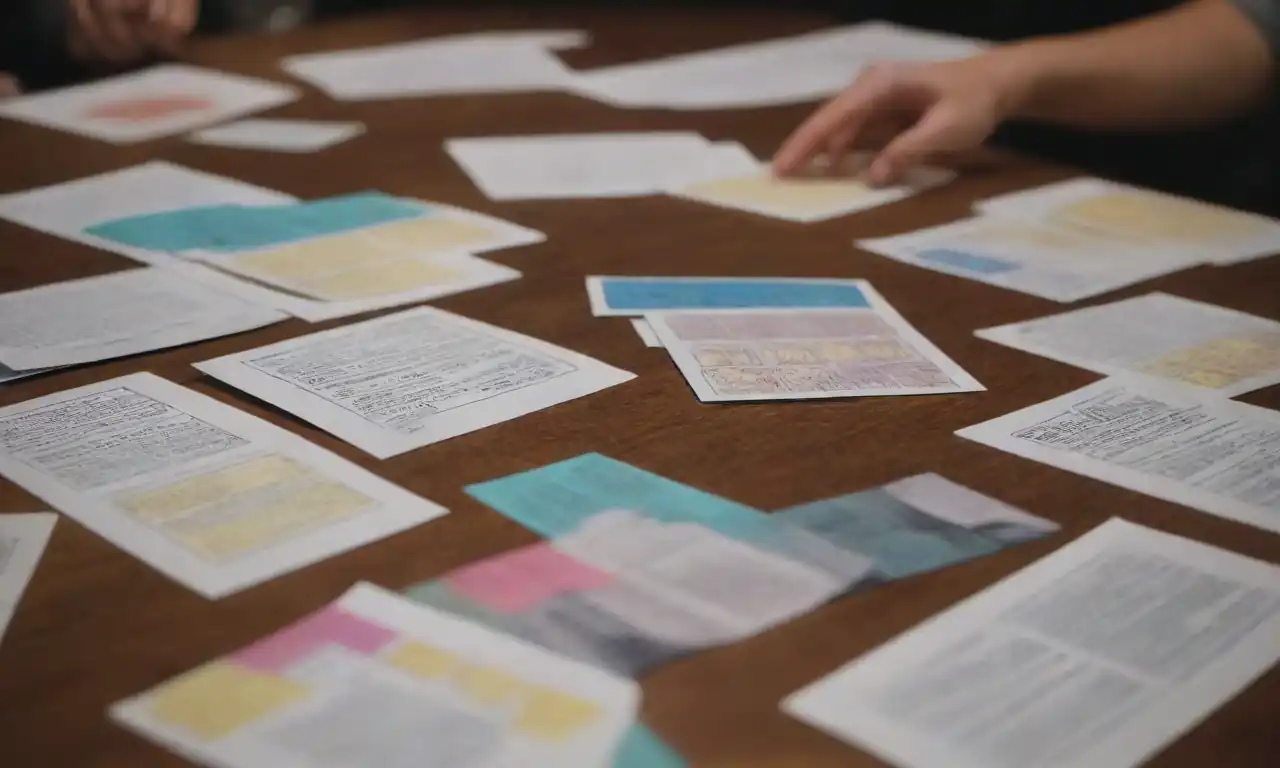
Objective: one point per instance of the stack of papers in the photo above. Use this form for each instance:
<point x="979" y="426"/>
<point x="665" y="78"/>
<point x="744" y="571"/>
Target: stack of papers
<point x="1081" y="238"/>
<point x="212" y="497"/>
<point x="635" y="571"/>
<point x="494" y="62"/>
<point x="22" y="542"/>
<point x="796" y="69"/>
<point x="782" y="338"/>
<point x="375" y="680"/>
<point x="413" y="378"/>
<point x="315" y="260"/>
<point x="156" y="102"/>
<point x="1098" y="655"/>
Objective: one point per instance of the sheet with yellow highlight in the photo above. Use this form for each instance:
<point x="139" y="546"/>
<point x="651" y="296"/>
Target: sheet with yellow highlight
<point x="374" y="679"/>
<point x="816" y="194"/>
<point x="1159" y="335"/>
<point x="1146" y="218"/>
<point x="208" y="495"/>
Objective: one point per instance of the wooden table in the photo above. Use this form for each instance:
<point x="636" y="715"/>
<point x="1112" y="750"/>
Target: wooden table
<point x="98" y="625"/>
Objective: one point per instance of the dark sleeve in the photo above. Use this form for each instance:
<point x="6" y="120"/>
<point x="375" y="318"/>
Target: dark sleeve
<point x="33" y="43"/>
<point x="1265" y="14"/>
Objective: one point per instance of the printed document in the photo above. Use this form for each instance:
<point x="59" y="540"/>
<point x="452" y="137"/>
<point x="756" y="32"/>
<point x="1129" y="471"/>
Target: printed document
<point x="799" y="354"/>
<point x="816" y="195"/>
<point x="414" y="378"/>
<point x="1160" y="335"/>
<point x="212" y="497"/>
<point x="1154" y="219"/>
<point x="617" y="295"/>
<point x="1054" y="261"/>
<point x="1182" y="444"/>
<point x="374" y="680"/>
<point x="1096" y="656"/>
<point x="69" y="209"/>
<point x="22" y="542"/>
<point x="577" y="165"/>
<point x="117" y="314"/>
<point x="156" y="102"/>
<point x="279" y="135"/>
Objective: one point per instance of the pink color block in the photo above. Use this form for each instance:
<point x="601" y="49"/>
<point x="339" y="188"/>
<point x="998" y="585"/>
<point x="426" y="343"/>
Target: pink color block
<point x="331" y="625"/>
<point x="517" y="581"/>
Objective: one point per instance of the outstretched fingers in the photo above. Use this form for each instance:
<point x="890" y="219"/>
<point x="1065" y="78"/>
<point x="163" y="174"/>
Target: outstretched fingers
<point x="837" y="124"/>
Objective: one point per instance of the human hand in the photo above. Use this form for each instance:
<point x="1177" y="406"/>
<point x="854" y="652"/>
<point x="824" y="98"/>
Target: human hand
<point x="932" y="109"/>
<point x="9" y="86"/>
<point x="124" y="31"/>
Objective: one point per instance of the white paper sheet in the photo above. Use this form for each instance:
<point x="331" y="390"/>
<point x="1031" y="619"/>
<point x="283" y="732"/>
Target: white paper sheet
<point x="815" y="196"/>
<point x="7" y="374"/>
<point x="645" y="332"/>
<point x="140" y="106"/>
<point x="1094" y="657"/>
<point x="803" y="354"/>
<point x="376" y="680"/>
<point x="1170" y="337"/>
<point x="1153" y="219"/>
<point x="1054" y="261"/>
<point x="118" y="314"/>
<point x="212" y="497"/>
<point x="1178" y="443"/>
<point x="789" y="70"/>
<point x="22" y="542"/>
<point x="577" y="165"/>
<point x="462" y="64"/>
<point x="67" y="209"/>
<point x="300" y="136"/>
<point x="414" y="378"/>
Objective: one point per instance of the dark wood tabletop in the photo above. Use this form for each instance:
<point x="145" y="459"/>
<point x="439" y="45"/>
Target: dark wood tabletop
<point x="97" y="625"/>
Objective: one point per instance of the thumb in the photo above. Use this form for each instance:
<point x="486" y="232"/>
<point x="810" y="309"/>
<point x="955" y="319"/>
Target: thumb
<point x="941" y="129"/>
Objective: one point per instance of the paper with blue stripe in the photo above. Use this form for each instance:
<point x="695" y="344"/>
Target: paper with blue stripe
<point x="638" y="295"/>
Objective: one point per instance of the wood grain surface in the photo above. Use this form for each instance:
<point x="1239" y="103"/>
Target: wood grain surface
<point x="97" y="625"/>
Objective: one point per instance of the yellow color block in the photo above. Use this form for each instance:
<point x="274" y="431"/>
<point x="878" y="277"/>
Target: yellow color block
<point x="800" y="196"/>
<point x="1158" y="217"/>
<point x="1219" y="363"/>
<point x="217" y="699"/>
<point x="425" y="235"/>
<point x="423" y="660"/>
<point x="554" y="716"/>
<point x="382" y="278"/>
<point x="485" y="685"/>
<point x="177" y="500"/>
<point x="311" y="257"/>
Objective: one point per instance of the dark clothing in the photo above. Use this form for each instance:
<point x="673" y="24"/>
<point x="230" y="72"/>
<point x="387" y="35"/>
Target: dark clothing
<point x="33" y="43"/>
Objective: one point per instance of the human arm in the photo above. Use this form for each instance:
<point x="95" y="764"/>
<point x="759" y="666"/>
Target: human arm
<point x="1200" y="63"/>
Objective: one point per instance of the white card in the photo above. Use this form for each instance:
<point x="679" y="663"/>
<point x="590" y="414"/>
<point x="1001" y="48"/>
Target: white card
<point x="299" y="136"/>
<point x="645" y="332"/>
<point x="140" y="106"/>
<point x="414" y="378"/>
<point x="1182" y="444"/>
<point x="1169" y="337"/>
<point x="212" y="497"/>
<point x="22" y="542"/>
<point x="375" y="680"/>
<point x="117" y="314"/>
<point x="1096" y="656"/>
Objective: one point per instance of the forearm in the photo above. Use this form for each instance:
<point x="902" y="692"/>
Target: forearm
<point x="1197" y="64"/>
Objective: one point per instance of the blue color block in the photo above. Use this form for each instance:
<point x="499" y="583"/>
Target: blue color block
<point x="641" y="295"/>
<point x="966" y="261"/>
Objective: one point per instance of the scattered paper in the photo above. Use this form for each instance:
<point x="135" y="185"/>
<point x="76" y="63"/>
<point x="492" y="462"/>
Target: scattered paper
<point x="1052" y="260"/>
<point x="1159" y="335"/>
<point x="22" y="542"/>
<point x="799" y="354"/>
<point x="617" y="295"/>
<point x="500" y="62"/>
<point x="641" y="748"/>
<point x="1178" y="443"/>
<point x="70" y="209"/>
<point x="118" y="314"/>
<point x="7" y="374"/>
<point x="805" y="67"/>
<point x="1153" y="219"/>
<point x="160" y="101"/>
<point x="645" y="332"/>
<point x="578" y="165"/>
<point x="212" y="497"/>
<point x="1097" y="656"/>
<point x="414" y="378"/>
<point x="816" y="195"/>
<point x="279" y="135"/>
<point x="375" y="680"/>
<point x="636" y="574"/>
